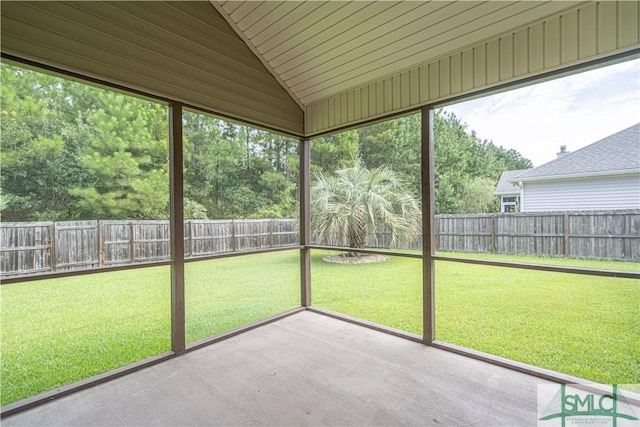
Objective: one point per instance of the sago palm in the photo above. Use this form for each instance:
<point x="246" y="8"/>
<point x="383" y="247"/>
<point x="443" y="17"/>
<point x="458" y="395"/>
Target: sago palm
<point x="356" y="202"/>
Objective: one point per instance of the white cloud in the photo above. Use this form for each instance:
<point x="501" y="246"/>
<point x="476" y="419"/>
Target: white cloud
<point x="575" y="111"/>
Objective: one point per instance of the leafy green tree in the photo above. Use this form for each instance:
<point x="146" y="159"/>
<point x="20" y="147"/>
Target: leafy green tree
<point x="478" y="197"/>
<point x="356" y="202"/>
<point x="453" y="162"/>
<point x="74" y="151"/>
<point x="333" y="152"/>
<point x="210" y="161"/>
<point x="127" y="157"/>
<point x="38" y="147"/>
<point x="193" y="210"/>
<point x="236" y="171"/>
<point x="395" y="144"/>
<point x="466" y="167"/>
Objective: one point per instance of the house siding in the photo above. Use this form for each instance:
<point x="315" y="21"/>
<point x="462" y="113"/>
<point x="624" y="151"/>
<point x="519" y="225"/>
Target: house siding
<point x="619" y="192"/>
<point x="183" y="51"/>
<point x="592" y="31"/>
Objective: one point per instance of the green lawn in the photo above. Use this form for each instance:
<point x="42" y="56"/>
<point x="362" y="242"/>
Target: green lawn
<point x="585" y="326"/>
<point x="59" y="331"/>
<point x="230" y="292"/>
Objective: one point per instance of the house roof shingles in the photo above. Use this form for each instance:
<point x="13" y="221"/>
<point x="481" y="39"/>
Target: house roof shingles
<point x="618" y="153"/>
<point x="505" y="185"/>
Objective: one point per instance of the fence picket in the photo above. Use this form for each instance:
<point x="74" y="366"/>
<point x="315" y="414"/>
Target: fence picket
<point x="28" y="248"/>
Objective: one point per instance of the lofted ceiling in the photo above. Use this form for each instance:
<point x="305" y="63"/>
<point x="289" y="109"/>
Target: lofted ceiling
<point x="317" y="49"/>
<point x="310" y="67"/>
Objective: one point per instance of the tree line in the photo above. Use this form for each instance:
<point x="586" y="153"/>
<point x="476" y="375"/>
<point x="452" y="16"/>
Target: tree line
<point x="73" y="151"/>
<point x="466" y="168"/>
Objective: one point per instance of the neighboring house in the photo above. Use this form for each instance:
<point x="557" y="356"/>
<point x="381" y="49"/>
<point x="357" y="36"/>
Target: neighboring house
<point x="509" y="192"/>
<point x="604" y="175"/>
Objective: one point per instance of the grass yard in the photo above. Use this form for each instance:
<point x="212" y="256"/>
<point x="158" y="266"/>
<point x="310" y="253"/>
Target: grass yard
<point x="59" y="331"/>
<point x="230" y="292"/>
<point x="389" y="293"/>
<point x="586" y="326"/>
<point x="55" y="332"/>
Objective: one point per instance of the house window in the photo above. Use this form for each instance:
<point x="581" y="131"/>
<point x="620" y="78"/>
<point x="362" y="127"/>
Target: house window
<point x="510" y="204"/>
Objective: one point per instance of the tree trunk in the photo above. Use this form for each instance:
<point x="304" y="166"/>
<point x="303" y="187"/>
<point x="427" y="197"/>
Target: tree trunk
<point x="357" y="238"/>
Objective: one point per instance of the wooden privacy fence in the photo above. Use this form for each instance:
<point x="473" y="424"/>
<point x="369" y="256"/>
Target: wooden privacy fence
<point x="588" y="234"/>
<point x="38" y="247"/>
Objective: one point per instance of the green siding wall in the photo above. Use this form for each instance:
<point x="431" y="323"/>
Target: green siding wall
<point x="184" y="51"/>
<point x="592" y="31"/>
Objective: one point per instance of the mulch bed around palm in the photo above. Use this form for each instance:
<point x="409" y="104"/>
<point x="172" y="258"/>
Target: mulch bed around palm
<point x="350" y="259"/>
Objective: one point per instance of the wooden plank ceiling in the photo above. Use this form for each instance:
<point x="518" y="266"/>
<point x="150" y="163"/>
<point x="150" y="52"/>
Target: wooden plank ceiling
<point x="317" y="49"/>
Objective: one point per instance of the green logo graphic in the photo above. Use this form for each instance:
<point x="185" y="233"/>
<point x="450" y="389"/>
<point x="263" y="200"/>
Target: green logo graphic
<point x="590" y="407"/>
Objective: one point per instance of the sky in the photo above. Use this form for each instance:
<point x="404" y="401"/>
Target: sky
<point x="574" y="111"/>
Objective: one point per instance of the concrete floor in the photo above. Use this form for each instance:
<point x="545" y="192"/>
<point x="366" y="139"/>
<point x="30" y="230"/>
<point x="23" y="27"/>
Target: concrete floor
<point x="306" y="369"/>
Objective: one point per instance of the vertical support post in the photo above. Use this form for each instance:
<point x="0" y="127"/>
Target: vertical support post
<point x="132" y="254"/>
<point x="176" y="225"/>
<point x="270" y="230"/>
<point x="101" y="244"/>
<point x="234" y="244"/>
<point x="190" y="237"/>
<point x="52" y="252"/>
<point x="566" y="234"/>
<point x="436" y="233"/>
<point x="305" y="221"/>
<point x="494" y="234"/>
<point x="428" y="226"/>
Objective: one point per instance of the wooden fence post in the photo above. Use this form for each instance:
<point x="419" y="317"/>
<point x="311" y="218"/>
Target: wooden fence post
<point x="436" y="233"/>
<point x="132" y="255"/>
<point x="52" y="252"/>
<point x="270" y="231"/>
<point x="190" y="241"/>
<point x="494" y="234"/>
<point x="193" y="241"/>
<point x="566" y="234"/>
<point x="234" y="246"/>
<point x="101" y="244"/>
